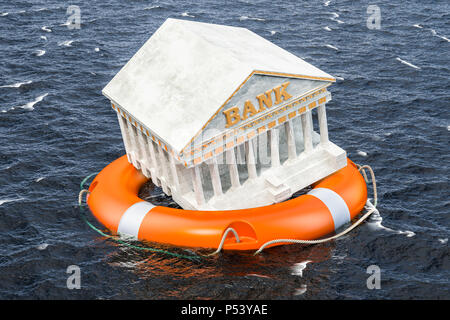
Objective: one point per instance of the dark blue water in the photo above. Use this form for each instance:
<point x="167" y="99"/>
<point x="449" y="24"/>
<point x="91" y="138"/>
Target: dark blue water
<point x="390" y="109"/>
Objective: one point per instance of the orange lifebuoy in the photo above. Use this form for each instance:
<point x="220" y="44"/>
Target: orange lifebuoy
<point x="333" y="201"/>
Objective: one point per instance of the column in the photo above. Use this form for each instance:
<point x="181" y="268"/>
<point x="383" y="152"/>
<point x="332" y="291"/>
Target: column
<point x="250" y="158"/>
<point x="288" y="126"/>
<point x="234" y="173"/>
<point x="323" y="125"/>
<point x="274" y="147"/>
<point x="135" y="145"/>
<point x="125" y="136"/>
<point x="155" y="170"/>
<point x="198" y="188"/>
<point x="307" y="130"/>
<point x="215" y="177"/>
<point x="173" y="170"/>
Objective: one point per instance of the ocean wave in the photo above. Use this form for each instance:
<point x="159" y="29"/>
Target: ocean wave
<point x="67" y="43"/>
<point x="332" y="47"/>
<point x="327" y="3"/>
<point x="152" y="7"/>
<point x="242" y="18"/>
<point x="407" y="63"/>
<point x="272" y="33"/>
<point x="4" y="14"/>
<point x="361" y="153"/>
<point x="418" y="26"/>
<point x="16" y="85"/>
<point x="40" y="53"/>
<point x="46" y="29"/>
<point x="3" y="201"/>
<point x="43" y="38"/>
<point x="186" y="14"/>
<point x="29" y="106"/>
<point x="374" y="223"/>
<point x="327" y="28"/>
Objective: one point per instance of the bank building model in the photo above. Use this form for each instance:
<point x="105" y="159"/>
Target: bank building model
<point x="221" y="118"/>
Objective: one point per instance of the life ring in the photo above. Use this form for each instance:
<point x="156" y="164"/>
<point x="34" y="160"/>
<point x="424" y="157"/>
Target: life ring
<point x="333" y="201"/>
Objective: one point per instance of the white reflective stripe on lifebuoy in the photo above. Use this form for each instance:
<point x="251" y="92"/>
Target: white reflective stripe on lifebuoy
<point x="335" y="204"/>
<point x="132" y="218"/>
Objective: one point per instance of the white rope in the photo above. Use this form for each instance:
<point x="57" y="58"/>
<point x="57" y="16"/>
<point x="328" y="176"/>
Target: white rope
<point x="371" y="209"/>
<point x="223" y="240"/>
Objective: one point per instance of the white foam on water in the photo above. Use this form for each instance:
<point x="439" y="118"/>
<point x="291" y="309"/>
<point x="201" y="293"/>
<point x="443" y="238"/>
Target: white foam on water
<point x="39" y="179"/>
<point x="96" y="49"/>
<point x="30" y="105"/>
<point x="433" y="32"/>
<point x="374" y="223"/>
<point x="46" y="29"/>
<point x="152" y="7"/>
<point x="67" y="43"/>
<point x="300" y="290"/>
<point x="273" y="32"/>
<point x="443" y="241"/>
<point x="339" y="78"/>
<point x="242" y="18"/>
<point x="44" y="38"/>
<point x="186" y="14"/>
<point x="407" y="63"/>
<point x="9" y="200"/>
<point x="327" y="3"/>
<point x="4" y="14"/>
<point x="331" y="47"/>
<point x="327" y="28"/>
<point x="448" y="128"/>
<point x="297" y="269"/>
<point x="361" y="153"/>
<point x="442" y="37"/>
<point x="40" y="53"/>
<point x="16" y="85"/>
<point x="42" y="246"/>
<point x="418" y="26"/>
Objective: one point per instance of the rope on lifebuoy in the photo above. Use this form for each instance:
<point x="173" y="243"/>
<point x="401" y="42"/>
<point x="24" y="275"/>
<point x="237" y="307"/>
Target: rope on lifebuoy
<point x="223" y="241"/>
<point x="371" y="209"/>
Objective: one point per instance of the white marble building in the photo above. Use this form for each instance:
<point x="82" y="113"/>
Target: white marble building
<point x="221" y="118"/>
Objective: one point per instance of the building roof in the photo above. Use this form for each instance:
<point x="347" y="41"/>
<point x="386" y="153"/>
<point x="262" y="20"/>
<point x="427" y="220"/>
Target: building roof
<point x="187" y="70"/>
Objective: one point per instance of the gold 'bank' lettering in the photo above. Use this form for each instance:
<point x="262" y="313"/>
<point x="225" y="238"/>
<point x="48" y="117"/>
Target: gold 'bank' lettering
<point x="280" y="91"/>
<point x="249" y="108"/>
<point x="265" y="98"/>
<point x="232" y="116"/>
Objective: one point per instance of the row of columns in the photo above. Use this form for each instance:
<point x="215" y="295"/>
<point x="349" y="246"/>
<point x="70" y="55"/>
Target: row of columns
<point x="307" y="129"/>
<point x="144" y="154"/>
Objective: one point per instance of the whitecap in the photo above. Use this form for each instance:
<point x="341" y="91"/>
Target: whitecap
<point x="16" y="85"/>
<point x="42" y="246"/>
<point x="374" y="223"/>
<point x="9" y="200"/>
<point x="30" y="105"/>
<point x="361" y="153"/>
<point x="327" y="28"/>
<point x="300" y="290"/>
<point x="40" y="53"/>
<point x="443" y="241"/>
<point x="339" y="78"/>
<point x="442" y="37"/>
<point x="39" y="179"/>
<point x="96" y="49"/>
<point x="418" y="26"/>
<point x="67" y="43"/>
<point x="43" y="38"/>
<point x="152" y="7"/>
<point x="331" y="47"/>
<point x="433" y="32"/>
<point x="407" y="63"/>
<point x="46" y="29"/>
<point x="327" y="3"/>
<point x="242" y="18"/>
<point x="297" y="269"/>
<point x="186" y="14"/>
<point x="448" y="128"/>
<point x="4" y="14"/>
<point x="273" y="32"/>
